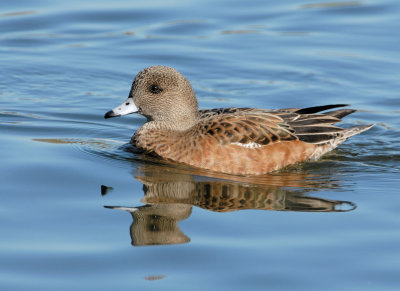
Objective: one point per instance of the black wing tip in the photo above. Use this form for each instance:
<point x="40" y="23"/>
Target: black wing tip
<point x="340" y="113"/>
<point x="316" y="109"/>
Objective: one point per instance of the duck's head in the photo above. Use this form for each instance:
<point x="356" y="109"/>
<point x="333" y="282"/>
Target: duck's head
<point x="160" y="94"/>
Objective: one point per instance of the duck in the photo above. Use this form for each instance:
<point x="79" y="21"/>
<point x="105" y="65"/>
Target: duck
<point x="235" y="140"/>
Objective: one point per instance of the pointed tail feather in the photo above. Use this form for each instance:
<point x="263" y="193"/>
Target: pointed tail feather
<point x="355" y="130"/>
<point x="333" y="143"/>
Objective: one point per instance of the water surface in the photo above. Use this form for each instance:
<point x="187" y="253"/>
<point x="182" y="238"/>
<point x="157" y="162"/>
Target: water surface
<point x="81" y="209"/>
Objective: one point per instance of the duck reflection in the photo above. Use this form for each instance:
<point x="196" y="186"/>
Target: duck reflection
<point x="157" y="224"/>
<point x="170" y="194"/>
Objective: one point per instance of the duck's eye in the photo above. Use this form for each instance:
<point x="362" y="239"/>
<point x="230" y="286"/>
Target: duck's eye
<point x="155" y="89"/>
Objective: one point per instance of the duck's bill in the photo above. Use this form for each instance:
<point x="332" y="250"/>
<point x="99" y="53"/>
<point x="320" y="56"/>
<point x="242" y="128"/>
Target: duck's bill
<point x="127" y="107"/>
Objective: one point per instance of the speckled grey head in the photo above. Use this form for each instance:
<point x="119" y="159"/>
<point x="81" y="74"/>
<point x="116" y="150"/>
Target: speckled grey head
<point x="161" y="94"/>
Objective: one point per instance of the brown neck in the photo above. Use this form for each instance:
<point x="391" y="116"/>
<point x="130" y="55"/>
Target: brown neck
<point x="179" y="123"/>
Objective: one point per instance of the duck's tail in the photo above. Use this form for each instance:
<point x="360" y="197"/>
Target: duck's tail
<point x="333" y="143"/>
<point x="355" y="130"/>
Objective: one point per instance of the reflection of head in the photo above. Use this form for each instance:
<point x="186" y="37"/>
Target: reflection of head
<point x="158" y="224"/>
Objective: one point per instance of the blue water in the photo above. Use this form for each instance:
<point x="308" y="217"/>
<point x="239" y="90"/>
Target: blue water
<point x="80" y="210"/>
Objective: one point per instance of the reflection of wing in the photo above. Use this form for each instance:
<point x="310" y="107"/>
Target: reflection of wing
<point x="168" y="185"/>
<point x="224" y="196"/>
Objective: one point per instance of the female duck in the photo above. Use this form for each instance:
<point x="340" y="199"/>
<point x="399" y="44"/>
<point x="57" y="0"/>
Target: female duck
<point x="241" y="141"/>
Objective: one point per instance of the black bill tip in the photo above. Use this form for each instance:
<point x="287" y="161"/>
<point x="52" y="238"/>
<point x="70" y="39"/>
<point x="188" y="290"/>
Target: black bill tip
<point x="110" y="114"/>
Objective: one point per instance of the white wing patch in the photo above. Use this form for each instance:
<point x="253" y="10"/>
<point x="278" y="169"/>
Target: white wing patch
<point x="250" y="145"/>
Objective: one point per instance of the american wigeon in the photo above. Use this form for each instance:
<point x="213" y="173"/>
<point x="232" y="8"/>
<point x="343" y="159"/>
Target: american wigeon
<point x="241" y="141"/>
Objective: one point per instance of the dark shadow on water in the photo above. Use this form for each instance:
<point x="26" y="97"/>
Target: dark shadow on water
<point x="171" y="192"/>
